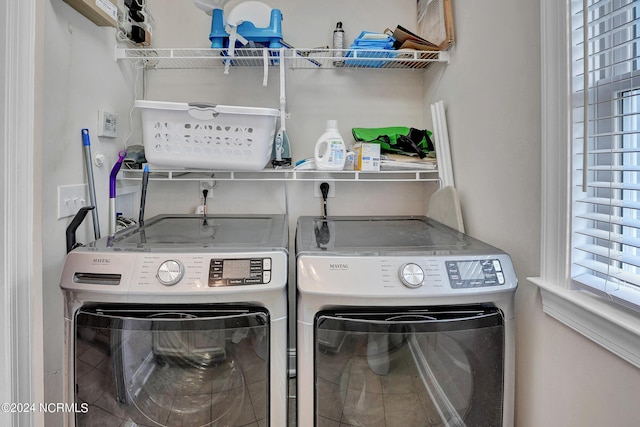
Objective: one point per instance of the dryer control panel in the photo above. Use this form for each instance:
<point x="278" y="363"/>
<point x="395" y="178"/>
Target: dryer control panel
<point x="238" y="272"/>
<point x="475" y="273"/>
<point x="406" y="275"/>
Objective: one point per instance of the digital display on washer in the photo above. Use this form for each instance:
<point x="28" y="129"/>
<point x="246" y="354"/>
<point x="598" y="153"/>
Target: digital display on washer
<point x="237" y="272"/>
<point x="475" y="273"/>
<point x="236" y="268"/>
<point x="470" y="270"/>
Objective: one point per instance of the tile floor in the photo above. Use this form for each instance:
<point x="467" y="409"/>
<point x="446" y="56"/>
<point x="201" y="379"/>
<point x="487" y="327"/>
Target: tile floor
<point x="231" y="394"/>
<point x="350" y="393"/>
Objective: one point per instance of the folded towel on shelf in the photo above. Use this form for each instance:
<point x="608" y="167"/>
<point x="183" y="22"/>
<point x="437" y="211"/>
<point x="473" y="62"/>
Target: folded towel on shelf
<point x="370" y="45"/>
<point x="401" y="162"/>
<point x="371" y="40"/>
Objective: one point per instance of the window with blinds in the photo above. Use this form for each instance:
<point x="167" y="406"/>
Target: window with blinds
<point x="606" y="149"/>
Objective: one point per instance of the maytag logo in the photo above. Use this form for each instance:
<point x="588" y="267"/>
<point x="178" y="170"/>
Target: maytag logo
<point x="102" y="261"/>
<point x="333" y="266"/>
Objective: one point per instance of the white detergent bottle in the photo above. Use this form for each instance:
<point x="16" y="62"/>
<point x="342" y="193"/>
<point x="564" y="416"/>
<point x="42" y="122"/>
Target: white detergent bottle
<point x="330" y="152"/>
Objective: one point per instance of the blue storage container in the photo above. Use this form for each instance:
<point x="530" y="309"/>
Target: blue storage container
<point x="269" y="37"/>
<point x="370" y="45"/>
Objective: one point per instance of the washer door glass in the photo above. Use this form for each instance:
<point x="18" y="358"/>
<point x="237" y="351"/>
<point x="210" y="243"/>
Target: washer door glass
<point x="172" y="366"/>
<point x="425" y="367"/>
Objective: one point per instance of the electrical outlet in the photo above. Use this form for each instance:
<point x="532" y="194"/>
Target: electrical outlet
<point x="71" y="198"/>
<point x="107" y="124"/>
<point x="207" y="184"/>
<point x="316" y="187"/>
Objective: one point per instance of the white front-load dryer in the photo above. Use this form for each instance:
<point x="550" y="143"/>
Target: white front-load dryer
<point x="402" y="321"/>
<point x="182" y="321"/>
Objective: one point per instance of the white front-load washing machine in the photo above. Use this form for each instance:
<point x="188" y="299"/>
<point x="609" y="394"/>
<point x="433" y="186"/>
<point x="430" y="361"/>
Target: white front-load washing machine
<point x="179" y="322"/>
<point x="402" y="321"/>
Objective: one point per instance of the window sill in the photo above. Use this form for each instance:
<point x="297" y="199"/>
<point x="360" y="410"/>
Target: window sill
<point x="613" y="327"/>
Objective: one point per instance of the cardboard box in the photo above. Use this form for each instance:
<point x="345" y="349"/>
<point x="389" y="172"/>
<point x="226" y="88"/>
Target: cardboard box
<point x="367" y="156"/>
<point x="103" y="13"/>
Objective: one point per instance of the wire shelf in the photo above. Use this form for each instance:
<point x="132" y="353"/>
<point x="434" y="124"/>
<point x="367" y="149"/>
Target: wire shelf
<point x="364" y="59"/>
<point x="283" y="175"/>
<point x="295" y="58"/>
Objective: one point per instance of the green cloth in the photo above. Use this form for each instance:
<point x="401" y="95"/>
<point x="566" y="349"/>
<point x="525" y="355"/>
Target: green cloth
<point x="397" y="139"/>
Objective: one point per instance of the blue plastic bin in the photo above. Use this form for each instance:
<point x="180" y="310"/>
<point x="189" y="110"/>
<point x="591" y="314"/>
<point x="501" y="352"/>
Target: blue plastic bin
<point x="270" y="37"/>
<point x="378" y="49"/>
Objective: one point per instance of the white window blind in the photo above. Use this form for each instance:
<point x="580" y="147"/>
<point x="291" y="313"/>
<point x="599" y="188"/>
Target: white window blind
<point x="606" y="149"/>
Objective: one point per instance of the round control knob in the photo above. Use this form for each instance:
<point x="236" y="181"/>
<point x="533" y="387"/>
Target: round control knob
<point x="411" y="275"/>
<point x="170" y="272"/>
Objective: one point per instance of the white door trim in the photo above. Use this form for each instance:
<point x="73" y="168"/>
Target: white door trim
<point x="21" y="362"/>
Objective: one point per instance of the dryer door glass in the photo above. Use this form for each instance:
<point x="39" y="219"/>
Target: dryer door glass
<point x="434" y="366"/>
<point x="172" y="365"/>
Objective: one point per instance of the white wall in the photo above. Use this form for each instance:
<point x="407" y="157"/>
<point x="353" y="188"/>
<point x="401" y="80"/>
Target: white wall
<point x="356" y="99"/>
<point x="80" y="77"/>
<point x="492" y="89"/>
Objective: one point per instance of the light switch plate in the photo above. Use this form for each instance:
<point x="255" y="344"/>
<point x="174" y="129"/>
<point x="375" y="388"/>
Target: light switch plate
<point x="71" y="198"/>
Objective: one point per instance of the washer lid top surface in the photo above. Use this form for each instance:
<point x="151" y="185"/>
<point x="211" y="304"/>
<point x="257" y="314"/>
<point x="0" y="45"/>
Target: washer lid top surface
<point x="192" y="232"/>
<point x="381" y="234"/>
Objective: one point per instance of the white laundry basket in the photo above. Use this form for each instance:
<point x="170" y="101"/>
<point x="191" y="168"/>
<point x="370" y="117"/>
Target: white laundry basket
<point x="207" y="136"/>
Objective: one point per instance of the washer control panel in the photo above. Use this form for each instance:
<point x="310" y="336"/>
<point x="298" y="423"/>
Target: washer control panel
<point x="383" y="276"/>
<point x="170" y="272"/>
<point x="238" y="272"/>
<point x="475" y="273"/>
<point x="411" y="275"/>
